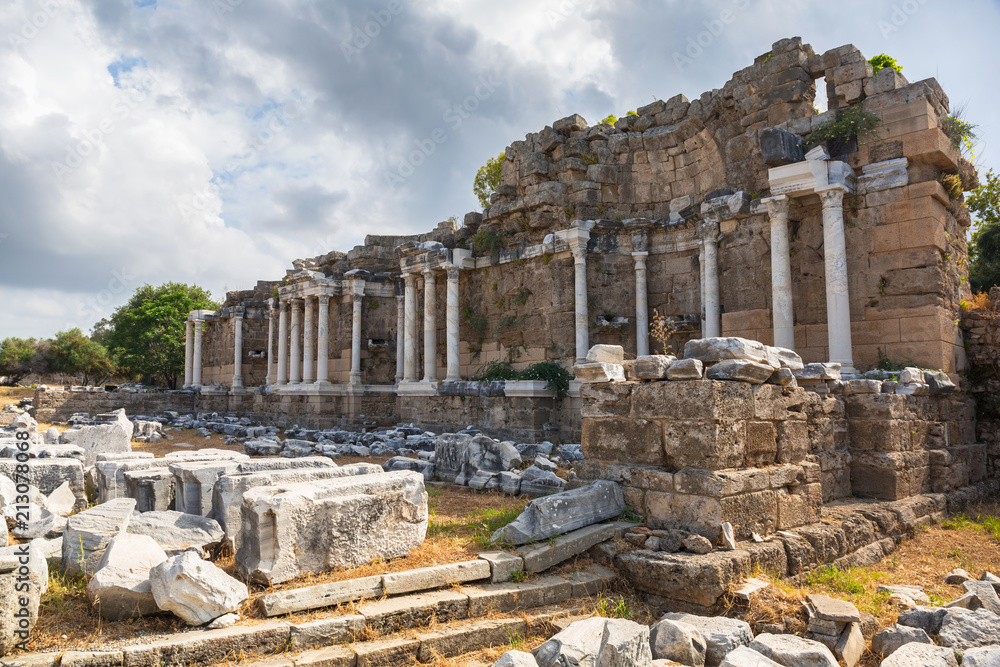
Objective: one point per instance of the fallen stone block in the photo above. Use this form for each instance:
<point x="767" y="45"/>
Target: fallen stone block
<point x="458" y="456"/>
<point x="153" y="489"/>
<point x="715" y="350"/>
<point x="744" y="656"/>
<point x="227" y="495"/>
<point x="792" y="651"/>
<point x="686" y="369"/>
<point x="120" y="588"/>
<point x="112" y="436"/>
<point x="962" y="629"/>
<point x="652" y="367"/>
<point x="606" y="354"/>
<point x="538" y="482"/>
<point x="886" y="642"/>
<point x="89" y="533"/>
<point x="740" y="370"/>
<point x="677" y="641"/>
<point x="47" y="475"/>
<point x="986" y="593"/>
<point x="503" y="565"/>
<point x="563" y="512"/>
<point x="921" y="655"/>
<point x="315" y="527"/>
<point x="516" y="659"/>
<point x="590" y="373"/>
<point x="614" y="642"/>
<point x="722" y="635"/>
<point x="982" y="657"/>
<point x="565" y="547"/>
<point x="425" y="468"/>
<point x="177" y="532"/>
<point x="110" y="475"/>
<point x="437" y="576"/>
<point x="195" y="590"/>
<point x="21" y="588"/>
<point x="194" y="482"/>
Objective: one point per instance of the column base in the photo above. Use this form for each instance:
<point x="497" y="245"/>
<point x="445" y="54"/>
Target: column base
<point x="354" y="378"/>
<point x="453" y="379"/>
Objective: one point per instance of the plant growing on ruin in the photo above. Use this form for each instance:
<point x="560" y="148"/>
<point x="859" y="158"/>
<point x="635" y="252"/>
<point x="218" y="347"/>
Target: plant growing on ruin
<point x="521" y="296"/>
<point x="660" y="330"/>
<point x="882" y="61"/>
<point x="610" y="119"/>
<point x="850" y="123"/>
<point x="961" y="132"/>
<point x="488" y="179"/>
<point x="556" y="377"/>
<point x="952" y="184"/>
<point x="486" y="242"/>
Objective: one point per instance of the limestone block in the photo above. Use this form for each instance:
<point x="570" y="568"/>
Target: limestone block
<point x="516" y="659"/>
<point x="195" y="590"/>
<point x="886" y="641"/>
<point x="318" y="526"/>
<point x="227" y="494"/>
<point x="47" y="475"/>
<point x="114" y="436"/>
<point x="625" y="440"/>
<point x="538" y="482"/>
<point x="714" y="350"/>
<point x="725" y="402"/>
<point x="744" y="656"/>
<point x="591" y="373"/>
<point x="437" y="576"/>
<point x="652" y="367"/>
<point x="320" y="595"/>
<point x="614" y="642"/>
<point x="677" y="641"/>
<point x="194" y="482"/>
<point x="425" y="468"/>
<point x="566" y="546"/>
<point x="563" y="512"/>
<point x="818" y="372"/>
<point x="89" y="533"/>
<point x="851" y="645"/>
<point x="120" y="588"/>
<point x="177" y="532"/>
<point x="921" y="655"/>
<point x="606" y="354"/>
<point x="503" y="565"/>
<point x="982" y="657"/>
<point x="685" y="369"/>
<point x="741" y="370"/>
<point x="457" y="457"/>
<point x="722" y="635"/>
<point x="111" y="475"/>
<point x="780" y="147"/>
<point x="152" y="490"/>
<point x="792" y="651"/>
<point x="16" y="570"/>
<point x="61" y="501"/>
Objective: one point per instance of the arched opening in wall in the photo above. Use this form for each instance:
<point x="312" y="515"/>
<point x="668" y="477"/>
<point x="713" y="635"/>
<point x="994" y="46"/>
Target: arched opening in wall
<point x="823" y="94"/>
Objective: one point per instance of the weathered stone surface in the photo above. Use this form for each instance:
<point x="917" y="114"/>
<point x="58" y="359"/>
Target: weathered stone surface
<point x="457" y="457"/>
<point x="817" y="372"/>
<point x="47" y="475"/>
<point x="120" y="588"/>
<point x="89" y="532"/>
<point x="677" y="641"/>
<point x="320" y="595"/>
<point x="516" y="659"/>
<point x="652" y="367"/>
<point x="962" y="629"/>
<point x="326" y="631"/>
<point x="714" y="350"/>
<point x="195" y="590"/>
<point x="598" y="641"/>
<point x="740" y="370"/>
<point x="851" y="645"/>
<point x="986" y="593"/>
<point x="538" y="482"/>
<point x="19" y="565"/>
<point x="792" y="651"/>
<point x="921" y="655"/>
<point x="503" y="565"/>
<point x="112" y="436"/>
<point x="565" y="547"/>
<point x="780" y="147"/>
<point x="722" y="635"/>
<point x="314" y="527"/>
<point x="62" y="501"/>
<point x="982" y="657"/>
<point x="177" y="532"/>
<point x="153" y="489"/>
<point x="686" y="369"/>
<point x="914" y="593"/>
<point x="697" y="544"/>
<point x="887" y="641"/>
<point x="606" y="354"/>
<point x="590" y="373"/>
<point x="957" y="577"/>
<point x="927" y="619"/>
<point x="195" y="481"/>
<point x="560" y="513"/>
<point x="436" y="576"/>
<point x="831" y="609"/>
<point x="744" y="656"/>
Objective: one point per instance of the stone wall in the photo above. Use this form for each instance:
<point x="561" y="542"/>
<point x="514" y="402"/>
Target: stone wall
<point x="695" y="454"/>
<point x="982" y="336"/>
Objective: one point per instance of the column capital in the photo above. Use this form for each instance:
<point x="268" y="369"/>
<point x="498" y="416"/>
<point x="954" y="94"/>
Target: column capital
<point x="640" y="260"/>
<point x="452" y="272"/>
<point x="283" y="305"/>
<point x="708" y="230"/>
<point x="357" y="298"/>
<point x="777" y="207"/>
<point x="430" y="274"/>
<point x="832" y="196"/>
<point x="410" y="278"/>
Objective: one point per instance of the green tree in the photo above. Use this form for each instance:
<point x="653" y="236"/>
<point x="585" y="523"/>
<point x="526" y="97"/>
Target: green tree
<point x="984" y="250"/>
<point x="146" y="336"/>
<point x="488" y="179"/>
<point x="20" y="357"/>
<point x="74" y="354"/>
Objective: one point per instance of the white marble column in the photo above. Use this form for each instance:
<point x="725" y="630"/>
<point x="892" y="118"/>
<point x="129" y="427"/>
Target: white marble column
<point x="282" y="342"/>
<point x="410" y="330"/>
<point x="323" y="341"/>
<point x="309" y="341"/>
<point x="713" y="308"/>
<point x="580" y="295"/>
<point x="355" y="377"/>
<point x="701" y="287"/>
<point x="783" y="319"/>
<point x="238" y="351"/>
<point x="270" y="344"/>
<point x="188" y="352"/>
<point x="196" y="359"/>
<point x="295" y="361"/>
<point x="838" y="306"/>
<point x="452" y="321"/>
<point x="430" y="326"/>
<point x="400" y="337"/>
<point x="641" y="305"/>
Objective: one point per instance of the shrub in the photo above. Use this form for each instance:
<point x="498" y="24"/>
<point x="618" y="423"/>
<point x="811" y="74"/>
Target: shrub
<point x="486" y="242"/>
<point x="882" y="61"/>
<point x="850" y="123"/>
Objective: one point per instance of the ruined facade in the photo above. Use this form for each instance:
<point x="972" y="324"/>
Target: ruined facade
<point x="676" y="212"/>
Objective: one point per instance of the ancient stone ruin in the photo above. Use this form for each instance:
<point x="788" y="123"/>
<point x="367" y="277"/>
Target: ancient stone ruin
<point x="716" y="288"/>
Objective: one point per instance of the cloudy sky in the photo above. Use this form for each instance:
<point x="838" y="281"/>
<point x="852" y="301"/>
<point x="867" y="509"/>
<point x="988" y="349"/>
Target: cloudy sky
<point x="214" y="141"/>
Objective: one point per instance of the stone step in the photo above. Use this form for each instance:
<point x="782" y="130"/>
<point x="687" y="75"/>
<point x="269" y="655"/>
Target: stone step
<point x="378" y="617"/>
<point x="448" y="641"/>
